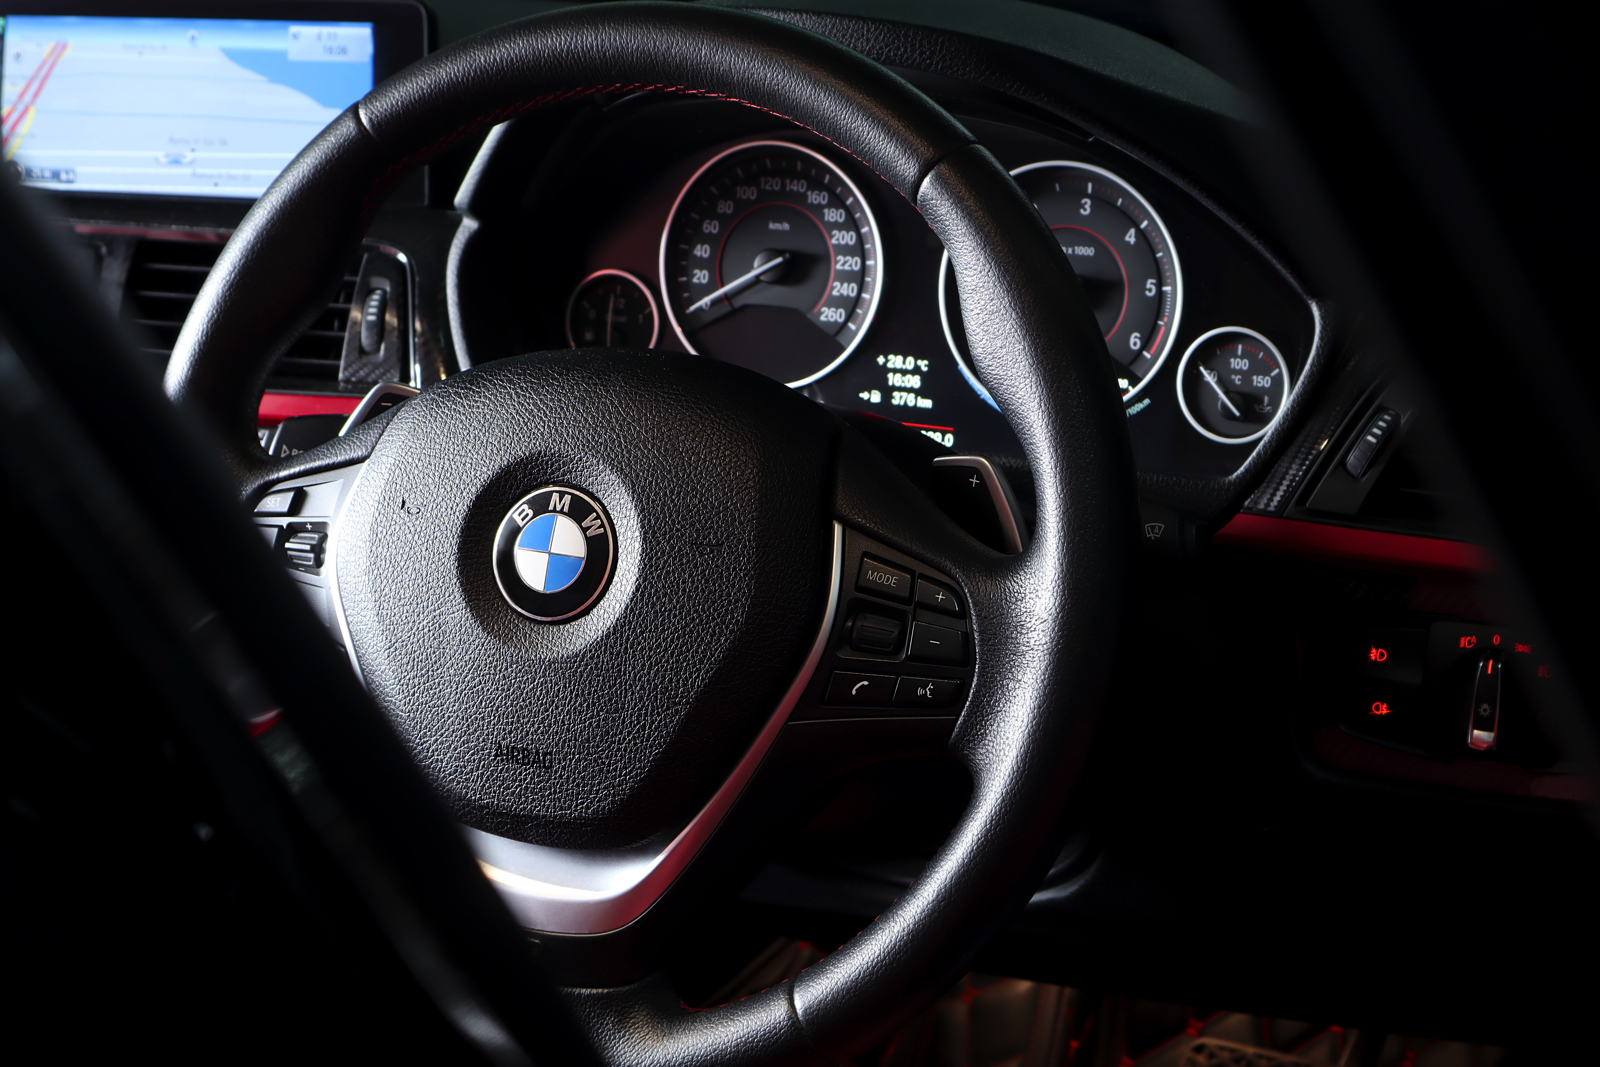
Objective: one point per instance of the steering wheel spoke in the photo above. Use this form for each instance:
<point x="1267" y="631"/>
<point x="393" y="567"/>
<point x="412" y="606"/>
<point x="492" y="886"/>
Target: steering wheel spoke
<point x="886" y="678"/>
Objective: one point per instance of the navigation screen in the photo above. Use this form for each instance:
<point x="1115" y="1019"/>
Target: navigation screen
<point x="193" y="107"/>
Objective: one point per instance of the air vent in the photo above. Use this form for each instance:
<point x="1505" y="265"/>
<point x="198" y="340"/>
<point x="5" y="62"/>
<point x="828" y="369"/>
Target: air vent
<point x="313" y="361"/>
<point x="163" y="279"/>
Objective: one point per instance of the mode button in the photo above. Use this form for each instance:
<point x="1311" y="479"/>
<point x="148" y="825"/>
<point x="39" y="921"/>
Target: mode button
<point x="880" y="579"/>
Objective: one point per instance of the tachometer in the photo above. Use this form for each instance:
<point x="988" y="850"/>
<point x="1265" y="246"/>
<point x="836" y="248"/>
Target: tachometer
<point x="1122" y="254"/>
<point x="771" y="260"/>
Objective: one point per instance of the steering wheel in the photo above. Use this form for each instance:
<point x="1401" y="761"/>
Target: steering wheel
<point x="735" y="518"/>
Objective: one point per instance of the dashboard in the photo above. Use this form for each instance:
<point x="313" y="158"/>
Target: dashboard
<point x="1345" y="608"/>
<point x="699" y="226"/>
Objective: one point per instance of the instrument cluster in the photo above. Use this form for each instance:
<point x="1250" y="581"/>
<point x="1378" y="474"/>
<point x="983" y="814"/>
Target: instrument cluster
<point x="773" y="250"/>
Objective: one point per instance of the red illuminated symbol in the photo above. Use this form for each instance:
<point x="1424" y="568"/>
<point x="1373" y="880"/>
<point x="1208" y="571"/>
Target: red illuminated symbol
<point x="1378" y="655"/>
<point x="1379" y="707"/>
<point x="1497" y="639"/>
<point x="1468" y="641"/>
<point x="1546" y="671"/>
<point x="1522" y="648"/>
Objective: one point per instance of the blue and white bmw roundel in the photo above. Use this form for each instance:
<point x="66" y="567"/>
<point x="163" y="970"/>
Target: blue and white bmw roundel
<point x="553" y="553"/>
<point x="550" y="553"/>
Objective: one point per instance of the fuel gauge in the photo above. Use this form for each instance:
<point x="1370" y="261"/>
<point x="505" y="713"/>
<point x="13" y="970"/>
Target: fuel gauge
<point x="1232" y="384"/>
<point x="612" y="309"/>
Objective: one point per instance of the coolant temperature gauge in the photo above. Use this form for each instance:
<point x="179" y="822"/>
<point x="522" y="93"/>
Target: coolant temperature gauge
<point x="1232" y="384"/>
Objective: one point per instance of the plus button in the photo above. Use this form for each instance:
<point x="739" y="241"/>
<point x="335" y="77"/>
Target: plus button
<point x="937" y="596"/>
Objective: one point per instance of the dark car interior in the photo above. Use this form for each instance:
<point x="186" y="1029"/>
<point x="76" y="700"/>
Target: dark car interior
<point x="887" y="533"/>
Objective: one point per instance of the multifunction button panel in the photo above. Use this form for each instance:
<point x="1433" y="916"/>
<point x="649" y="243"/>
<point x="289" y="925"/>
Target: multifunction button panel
<point x="296" y="520"/>
<point x="901" y="643"/>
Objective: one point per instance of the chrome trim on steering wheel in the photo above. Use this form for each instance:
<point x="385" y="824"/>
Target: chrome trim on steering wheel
<point x="573" y="891"/>
<point x="365" y="409"/>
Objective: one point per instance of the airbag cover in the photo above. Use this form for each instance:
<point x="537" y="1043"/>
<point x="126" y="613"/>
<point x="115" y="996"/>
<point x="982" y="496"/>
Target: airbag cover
<point x="604" y="730"/>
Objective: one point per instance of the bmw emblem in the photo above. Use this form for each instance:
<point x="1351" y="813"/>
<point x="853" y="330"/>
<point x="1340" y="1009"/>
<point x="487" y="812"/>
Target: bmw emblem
<point x="554" y="552"/>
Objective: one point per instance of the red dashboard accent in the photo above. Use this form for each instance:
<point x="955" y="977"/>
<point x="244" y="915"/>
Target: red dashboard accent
<point x="275" y="407"/>
<point x="1325" y="543"/>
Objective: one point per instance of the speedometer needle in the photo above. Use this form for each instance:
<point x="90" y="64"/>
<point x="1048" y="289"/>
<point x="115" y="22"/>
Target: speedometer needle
<point x="1211" y="379"/>
<point x="741" y="282"/>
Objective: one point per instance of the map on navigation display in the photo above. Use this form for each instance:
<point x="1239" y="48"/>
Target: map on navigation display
<point x="193" y="107"/>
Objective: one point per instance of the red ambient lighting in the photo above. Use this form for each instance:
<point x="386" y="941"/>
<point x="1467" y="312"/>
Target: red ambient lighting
<point x="1378" y="655"/>
<point x="1349" y="545"/>
<point x="262" y="723"/>
<point x="1380" y="707"/>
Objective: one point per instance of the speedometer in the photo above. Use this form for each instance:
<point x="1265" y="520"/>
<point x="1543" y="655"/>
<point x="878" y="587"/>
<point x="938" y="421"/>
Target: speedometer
<point x="1122" y="254"/>
<point x="771" y="260"/>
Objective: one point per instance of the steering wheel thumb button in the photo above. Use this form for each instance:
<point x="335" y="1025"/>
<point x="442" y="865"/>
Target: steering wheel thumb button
<point x="937" y="644"/>
<point x="880" y="579"/>
<point x="875" y="633"/>
<point x="848" y="687"/>
<point x="936" y="596"/>
<point x="934" y="692"/>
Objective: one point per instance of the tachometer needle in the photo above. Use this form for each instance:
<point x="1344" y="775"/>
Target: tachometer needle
<point x="611" y="311"/>
<point x="741" y="282"/>
<point x="1211" y="379"/>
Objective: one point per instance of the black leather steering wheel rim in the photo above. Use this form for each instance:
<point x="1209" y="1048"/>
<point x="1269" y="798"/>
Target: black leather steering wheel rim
<point x="1049" y="616"/>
